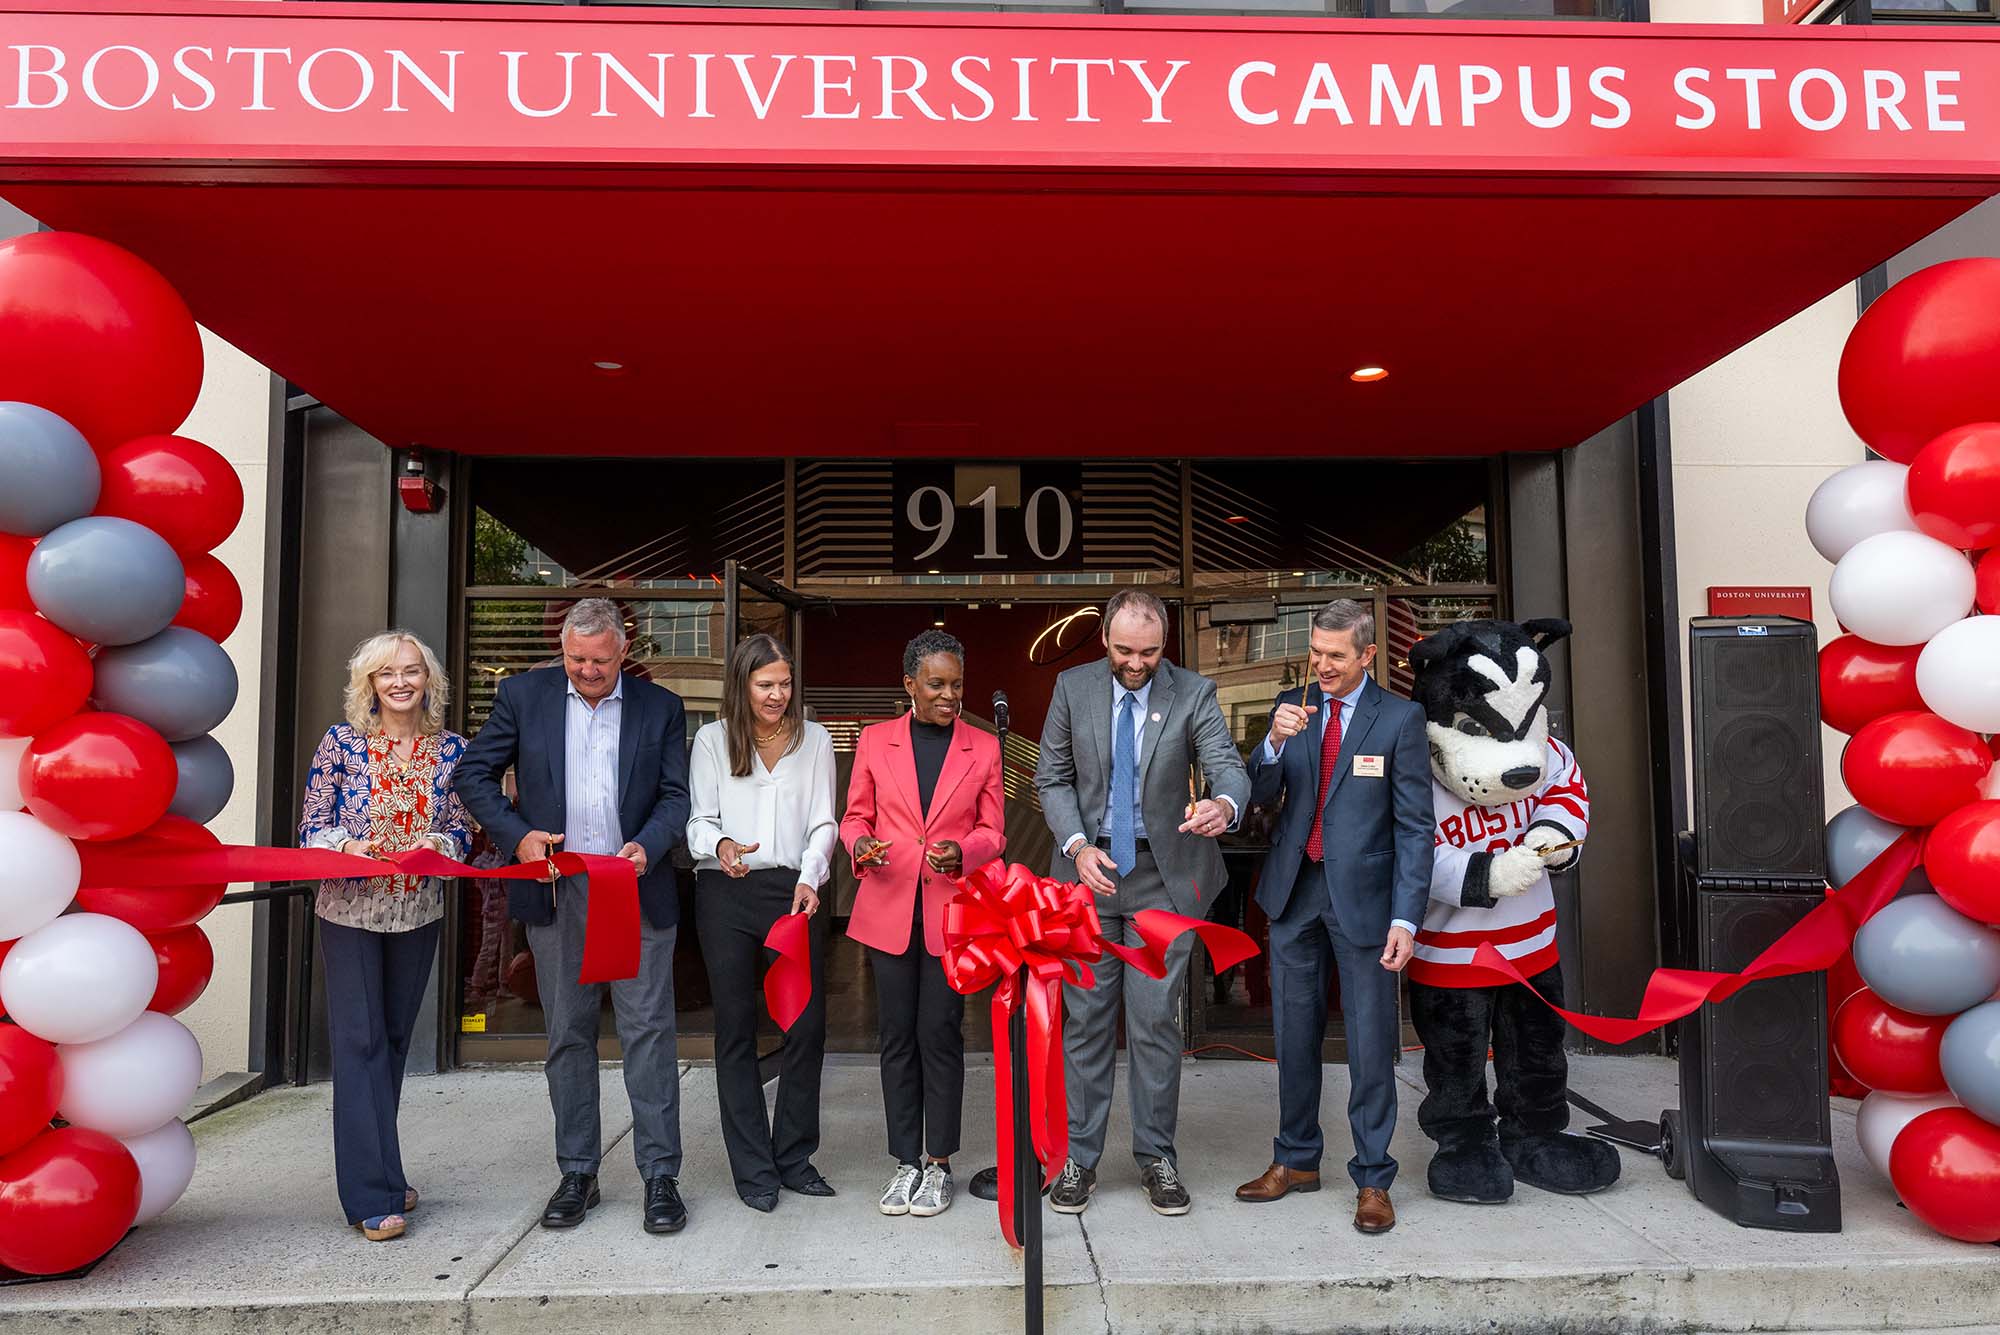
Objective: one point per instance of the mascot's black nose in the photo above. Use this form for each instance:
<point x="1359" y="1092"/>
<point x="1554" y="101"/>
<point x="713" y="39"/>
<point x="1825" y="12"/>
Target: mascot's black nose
<point x="1521" y="776"/>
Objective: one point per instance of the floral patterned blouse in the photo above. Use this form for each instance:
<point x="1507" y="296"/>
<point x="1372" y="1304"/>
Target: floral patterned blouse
<point x="358" y="789"/>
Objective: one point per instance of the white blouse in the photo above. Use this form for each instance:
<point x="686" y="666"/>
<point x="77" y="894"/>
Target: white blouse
<point x="786" y="812"/>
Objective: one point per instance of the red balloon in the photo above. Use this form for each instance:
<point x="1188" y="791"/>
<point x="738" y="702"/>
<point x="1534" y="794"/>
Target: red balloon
<point x="1914" y="768"/>
<point x="1954" y="486"/>
<point x="180" y="488"/>
<point x="31" y="1083"/>
<point x="186" y="961"/>
<point x="157" y="908"/>
<point x="1887" y="1048"/>
<point x="14" y="551"/>
<point x="1860" y="681"/>
<point x="66" y="1198"/>
<point x="1922" y="358"/>
<point x="1843" y="980"/>
<point x="214" y="602"/>
<point x="1986" y="582"/>
<point x="1962" y="857"/>
<point x="94" y="334"/>
<point x="1946" y="1167"/>
<point x="98" y="776"/>
<point x="45" y="676"/>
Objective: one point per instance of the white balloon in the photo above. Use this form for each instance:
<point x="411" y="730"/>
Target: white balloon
<point x="11" y="751"/>
<point x="133" y="1082"/>
<point x="166" y="1165"/>
<point x="1858" y="502"/>
<point x="81" y="978"/>
<point x="39" y="872"/>
<point x="1958" y="673"/>
<point x="1901" y="588"/>
<point x="1882" y="1117"/>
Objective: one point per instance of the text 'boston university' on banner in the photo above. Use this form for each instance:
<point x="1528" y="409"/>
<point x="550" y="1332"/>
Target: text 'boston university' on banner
<point x="397" y="83"/>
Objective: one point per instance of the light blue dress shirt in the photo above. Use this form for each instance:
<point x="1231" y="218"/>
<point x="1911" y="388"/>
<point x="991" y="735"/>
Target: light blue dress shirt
<point x="590" y="771"/>
<point x="1141" y="715"/>
<point x="1346" y="703"/>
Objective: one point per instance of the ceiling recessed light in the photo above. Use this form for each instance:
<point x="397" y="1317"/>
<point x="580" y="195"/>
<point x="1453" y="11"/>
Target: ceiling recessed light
<point x="609" y="366"/>
<point x="1365" y="374"/>
<point x="1236" y="519"/>
<point x="933" y="572"/>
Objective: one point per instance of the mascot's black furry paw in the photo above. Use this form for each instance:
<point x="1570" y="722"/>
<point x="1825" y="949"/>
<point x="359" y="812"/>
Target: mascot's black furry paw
<point x="1474" y="1173"/>
<point x="1555" y="1161"/>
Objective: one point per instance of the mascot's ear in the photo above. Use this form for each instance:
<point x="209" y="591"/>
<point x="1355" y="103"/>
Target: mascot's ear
<point x="1435" y="648"/>
<point x="1545" y="631"/>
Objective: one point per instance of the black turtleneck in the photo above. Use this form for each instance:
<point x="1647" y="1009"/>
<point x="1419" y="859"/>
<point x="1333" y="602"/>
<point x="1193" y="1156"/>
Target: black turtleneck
<point x="928" y="744"/>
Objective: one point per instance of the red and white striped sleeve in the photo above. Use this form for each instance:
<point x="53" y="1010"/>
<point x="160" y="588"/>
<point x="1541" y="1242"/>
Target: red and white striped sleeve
<point x="1562" y="805"/>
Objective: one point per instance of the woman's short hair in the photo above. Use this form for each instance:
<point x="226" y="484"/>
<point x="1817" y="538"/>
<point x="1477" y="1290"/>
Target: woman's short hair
<point x="594" y="616"/>
<point x="928" y="642"/>
<point x="371" y="656"/>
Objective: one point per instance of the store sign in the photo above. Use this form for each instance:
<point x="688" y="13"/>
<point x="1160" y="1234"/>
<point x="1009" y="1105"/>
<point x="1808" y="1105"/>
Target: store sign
<point x="968" y="518"/>
<point x="1760" y="600"/>
<point x="242" y="85"/>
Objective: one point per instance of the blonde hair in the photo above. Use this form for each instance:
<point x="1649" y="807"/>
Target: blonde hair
<point x="377" y="652"/>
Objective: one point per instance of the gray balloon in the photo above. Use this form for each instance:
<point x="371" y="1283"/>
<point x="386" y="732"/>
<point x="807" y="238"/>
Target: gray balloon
<point x="107" y="581"/>
<point x="48" y="472"/>
<point x="1923" y="955"/>
<point x="1854" y="838"/>
<point x="1971" y="1059"/>
<point x="179" y="682"/>
<point x="207" y="778"/>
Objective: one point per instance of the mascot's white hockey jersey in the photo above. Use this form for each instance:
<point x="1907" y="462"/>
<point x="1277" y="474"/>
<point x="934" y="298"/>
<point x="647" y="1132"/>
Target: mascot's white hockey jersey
<point x="1490" y="882"/>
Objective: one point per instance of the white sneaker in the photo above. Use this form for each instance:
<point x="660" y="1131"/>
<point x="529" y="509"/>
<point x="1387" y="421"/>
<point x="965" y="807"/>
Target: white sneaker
<point x="896" y="1200"/>
<point x="933" y="1194"/>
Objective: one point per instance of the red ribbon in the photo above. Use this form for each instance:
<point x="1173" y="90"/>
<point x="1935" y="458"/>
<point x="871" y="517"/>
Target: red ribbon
<point x="1814" y="942"/>
<point x="788" y="983"/>
<point x="611" y="921"/>
<point x="1005" y="923"/>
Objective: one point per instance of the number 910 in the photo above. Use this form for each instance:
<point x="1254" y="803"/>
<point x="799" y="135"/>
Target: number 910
<point x="931" y="512"/>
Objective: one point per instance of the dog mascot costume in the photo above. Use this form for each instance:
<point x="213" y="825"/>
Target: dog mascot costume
<point x="1511" y="807"/>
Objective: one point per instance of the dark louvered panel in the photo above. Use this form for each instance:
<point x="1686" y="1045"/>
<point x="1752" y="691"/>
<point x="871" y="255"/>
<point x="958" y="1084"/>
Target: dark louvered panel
<point x="845" y="513"/>
<point x="1132" y="515"/>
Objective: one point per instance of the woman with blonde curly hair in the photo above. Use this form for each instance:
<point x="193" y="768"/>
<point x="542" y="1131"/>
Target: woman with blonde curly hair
<point x="380" y="783"/>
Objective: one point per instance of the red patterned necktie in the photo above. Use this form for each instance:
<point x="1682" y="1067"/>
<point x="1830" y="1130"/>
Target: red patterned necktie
<point x="1329" y="756"/>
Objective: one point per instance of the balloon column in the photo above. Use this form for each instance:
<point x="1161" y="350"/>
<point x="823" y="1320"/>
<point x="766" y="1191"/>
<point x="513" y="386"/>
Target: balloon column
<point x="1915" y="681"/>
<point x="111" y="679"/>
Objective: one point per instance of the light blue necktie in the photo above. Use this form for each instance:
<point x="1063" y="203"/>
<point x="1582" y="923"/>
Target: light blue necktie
<point x="1124" y="783"/>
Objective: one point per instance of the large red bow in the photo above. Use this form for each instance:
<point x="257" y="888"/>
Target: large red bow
<point x="1005" y="923"/>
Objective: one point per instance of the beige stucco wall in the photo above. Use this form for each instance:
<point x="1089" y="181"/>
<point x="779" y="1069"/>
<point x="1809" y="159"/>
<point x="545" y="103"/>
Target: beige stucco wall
<point x="235" y="416"/>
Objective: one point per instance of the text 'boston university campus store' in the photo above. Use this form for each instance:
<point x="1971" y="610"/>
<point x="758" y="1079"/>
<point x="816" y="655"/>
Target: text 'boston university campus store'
<point x="840" y="325"/>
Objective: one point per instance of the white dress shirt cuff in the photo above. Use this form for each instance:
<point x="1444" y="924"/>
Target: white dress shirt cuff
<point x="1405" y="924"/>
<point x="335" y="839"/>
<point x="1235" y="816"/>
<point x="1270" y="752"/>
<point x="1073" y="845"/>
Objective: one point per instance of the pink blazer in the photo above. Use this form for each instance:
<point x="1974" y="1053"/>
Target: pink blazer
<point x="967" y="806"/>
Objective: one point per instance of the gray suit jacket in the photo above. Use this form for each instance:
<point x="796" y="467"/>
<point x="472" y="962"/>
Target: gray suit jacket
<point x="1075" y="772"/>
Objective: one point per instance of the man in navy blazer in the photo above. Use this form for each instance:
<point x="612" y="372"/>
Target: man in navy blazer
<point x="1345" y="885"/>
<point x="600" y="763"/>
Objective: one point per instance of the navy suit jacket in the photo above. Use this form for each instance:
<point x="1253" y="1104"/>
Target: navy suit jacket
<point x="527" y="730"/>
<point x="1379" y="832"/>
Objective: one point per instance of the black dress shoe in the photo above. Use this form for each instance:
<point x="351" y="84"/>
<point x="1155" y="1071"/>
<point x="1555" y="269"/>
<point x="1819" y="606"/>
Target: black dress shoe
<point x="810" y="1183"/>
<point x="664" y="1211"/>
<point x="763" y="1201"/>
<point x="576" y="1195"/>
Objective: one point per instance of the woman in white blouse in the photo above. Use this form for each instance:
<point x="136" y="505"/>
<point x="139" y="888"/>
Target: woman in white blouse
<point x="762" y="833"/>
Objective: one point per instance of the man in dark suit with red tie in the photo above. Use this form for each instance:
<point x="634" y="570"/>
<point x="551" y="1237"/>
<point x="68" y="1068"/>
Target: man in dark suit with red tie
<point x="1345" y="885"/>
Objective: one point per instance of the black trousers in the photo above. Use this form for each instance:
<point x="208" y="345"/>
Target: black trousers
<point x="733" y="916"/>
<point x="923" y="1049"/>
<point x="374" y="986"/>
<point x="1530" y="1070"/>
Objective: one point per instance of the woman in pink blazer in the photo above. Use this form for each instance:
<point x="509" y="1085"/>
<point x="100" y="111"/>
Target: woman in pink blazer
<point x="924" y="806"/>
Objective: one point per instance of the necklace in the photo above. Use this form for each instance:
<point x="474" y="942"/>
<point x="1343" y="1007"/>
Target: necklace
<point x="766" y="738"/>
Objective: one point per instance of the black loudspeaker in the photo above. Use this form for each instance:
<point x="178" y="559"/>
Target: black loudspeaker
<point x="1758" y="794"/>
<point x="1753" y="1134"/>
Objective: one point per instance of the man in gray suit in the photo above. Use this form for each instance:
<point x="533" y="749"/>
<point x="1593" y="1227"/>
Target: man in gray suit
<point x="1116" y="781"/>
<point x="1345" y="884"/>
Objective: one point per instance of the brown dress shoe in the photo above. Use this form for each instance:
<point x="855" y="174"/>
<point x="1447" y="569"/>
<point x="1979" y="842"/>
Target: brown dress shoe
<point x="1372" y="1211"/>
<point x="1277" y="1182"/>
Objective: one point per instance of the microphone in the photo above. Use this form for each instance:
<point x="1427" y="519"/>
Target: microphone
<point x="1000" y="709"/>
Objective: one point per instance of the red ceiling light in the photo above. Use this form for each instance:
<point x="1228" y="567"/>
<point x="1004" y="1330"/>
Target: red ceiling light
<point x="1236" y="519"/>
<point x="1363" y="375"/>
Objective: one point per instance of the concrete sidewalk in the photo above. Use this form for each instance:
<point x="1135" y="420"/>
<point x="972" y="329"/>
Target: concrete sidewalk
<point x="257" y="1244"/>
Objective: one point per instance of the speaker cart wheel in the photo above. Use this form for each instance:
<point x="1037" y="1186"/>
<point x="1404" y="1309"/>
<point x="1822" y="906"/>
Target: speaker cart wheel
<point x="1672" y="1151"/>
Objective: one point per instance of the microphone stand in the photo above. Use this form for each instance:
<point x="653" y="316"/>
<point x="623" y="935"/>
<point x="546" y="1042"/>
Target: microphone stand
<point x="1028" y="1169"/>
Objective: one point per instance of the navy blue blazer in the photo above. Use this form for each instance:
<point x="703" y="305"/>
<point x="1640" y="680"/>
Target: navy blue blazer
<point x="526" y="730"/>
<point x="1380" y="832"/>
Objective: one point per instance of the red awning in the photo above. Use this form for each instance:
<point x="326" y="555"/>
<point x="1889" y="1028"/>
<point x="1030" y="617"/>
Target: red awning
<point x="1150" y="266"/>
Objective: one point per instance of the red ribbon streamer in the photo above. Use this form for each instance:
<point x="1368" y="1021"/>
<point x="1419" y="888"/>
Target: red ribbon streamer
<point x="611" y="922"/>
<point x="1005" y="923"/>
<point x="788" y="983"/>
<point x="1814" y="942"/>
